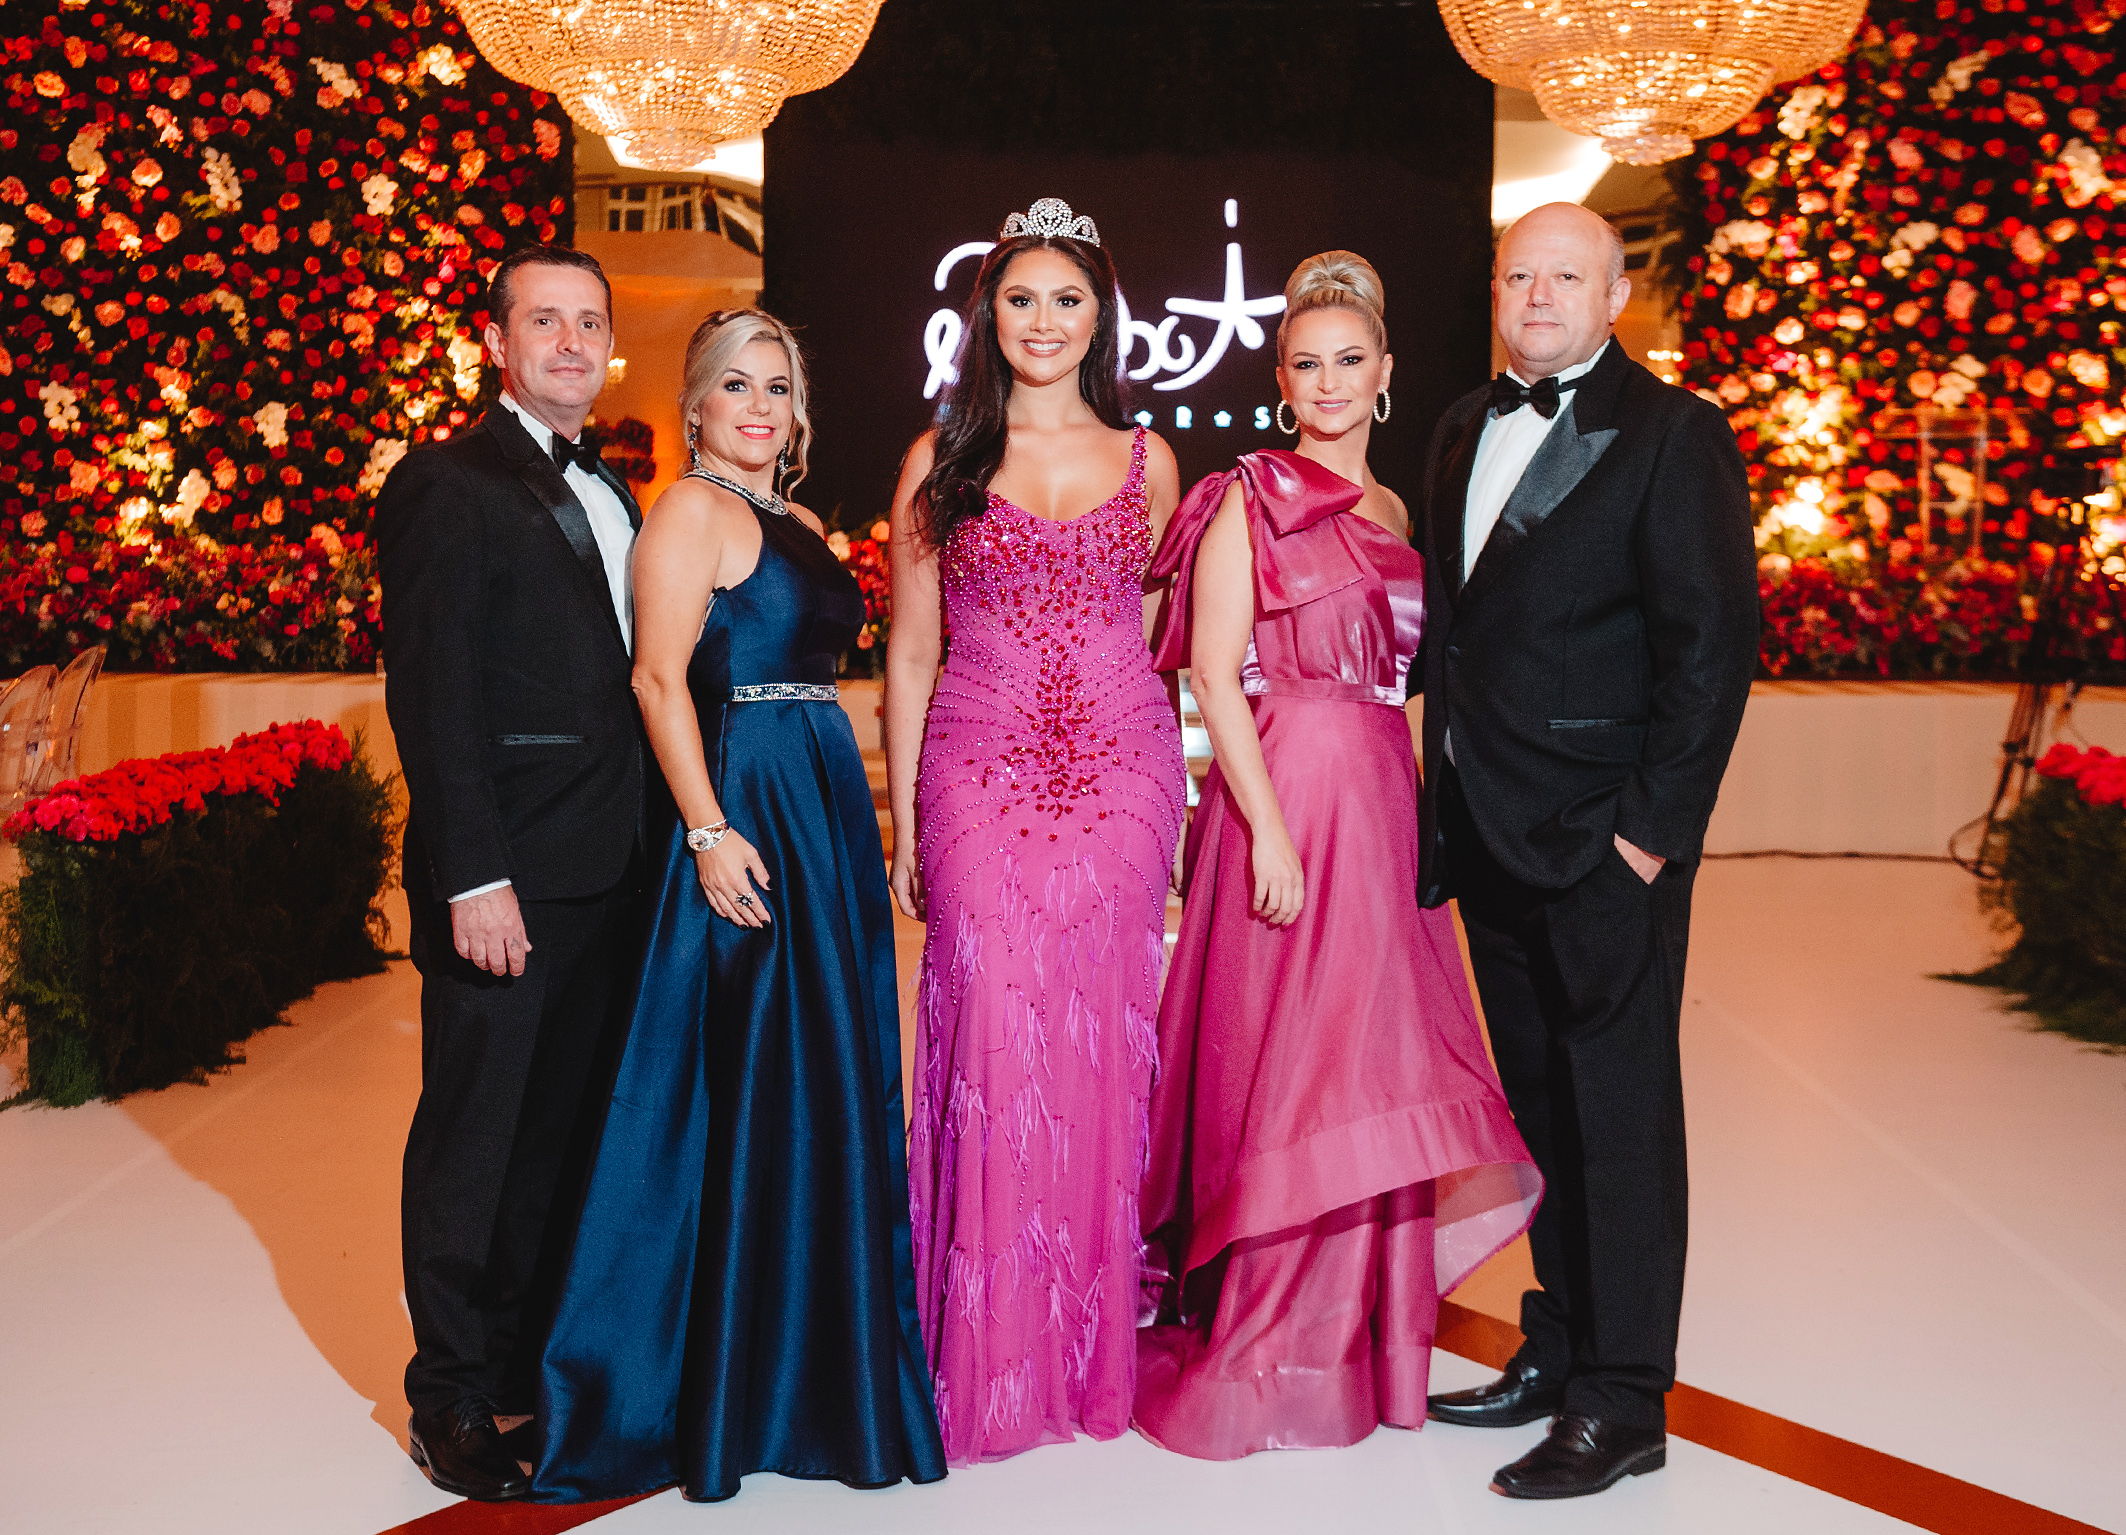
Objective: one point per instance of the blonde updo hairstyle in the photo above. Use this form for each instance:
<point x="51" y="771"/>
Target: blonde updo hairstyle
<point x="713" y="351"/>
<point x="1335" y="280"/>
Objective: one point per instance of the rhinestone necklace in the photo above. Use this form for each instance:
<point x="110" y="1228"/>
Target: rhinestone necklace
<point x="772" y="504"/>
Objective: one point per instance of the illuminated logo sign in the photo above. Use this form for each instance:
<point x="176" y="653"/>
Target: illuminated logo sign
<point x="1164" y="348"/>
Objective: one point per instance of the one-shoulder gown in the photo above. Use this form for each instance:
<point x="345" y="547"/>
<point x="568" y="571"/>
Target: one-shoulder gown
<point x="740" y="1295"/>
<point x="1330" y="1147"/>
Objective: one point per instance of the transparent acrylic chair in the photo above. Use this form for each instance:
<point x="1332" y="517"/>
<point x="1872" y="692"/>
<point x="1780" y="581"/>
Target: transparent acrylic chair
<point x="24" y="707"/>
<point x="59" y="749"/>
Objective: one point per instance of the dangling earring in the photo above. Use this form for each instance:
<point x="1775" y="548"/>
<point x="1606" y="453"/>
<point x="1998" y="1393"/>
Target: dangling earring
<point x="693" y="452"/>
<point x="1289" y="431"/>
<point x="1382" y="407"/>
<point x="782" y="465"/>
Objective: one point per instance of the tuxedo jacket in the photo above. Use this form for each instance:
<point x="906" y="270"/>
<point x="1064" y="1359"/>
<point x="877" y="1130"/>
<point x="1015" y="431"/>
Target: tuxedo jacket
<point x="506" y="674"/>
<point x="1594" y="668"/>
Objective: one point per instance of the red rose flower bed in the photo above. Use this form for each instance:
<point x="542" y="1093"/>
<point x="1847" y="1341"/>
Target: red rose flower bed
<point x="2097" y="775"/>
<point x="134" y="796"/>
<point x="171" y="907"/>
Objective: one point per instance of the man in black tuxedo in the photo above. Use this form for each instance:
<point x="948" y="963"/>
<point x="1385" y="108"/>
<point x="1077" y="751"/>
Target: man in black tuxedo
<point x="506" y="640"/>
<point x="1592" y="582"/>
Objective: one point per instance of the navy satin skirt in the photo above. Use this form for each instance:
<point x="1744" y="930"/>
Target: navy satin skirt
<point x="740" y="1296"/>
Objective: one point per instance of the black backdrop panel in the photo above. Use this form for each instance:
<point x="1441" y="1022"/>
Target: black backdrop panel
<point x="1309" y="124"/>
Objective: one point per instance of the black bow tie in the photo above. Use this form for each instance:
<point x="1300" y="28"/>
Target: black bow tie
<point x="1508" y="395"/>
<point x="583" y="452"/>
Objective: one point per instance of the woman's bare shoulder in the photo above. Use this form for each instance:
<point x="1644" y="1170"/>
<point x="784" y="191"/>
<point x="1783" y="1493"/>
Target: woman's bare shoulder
<point x="1402" y="511"/>
<point x="1158" y="457"/>
<point x="695" y="507"/>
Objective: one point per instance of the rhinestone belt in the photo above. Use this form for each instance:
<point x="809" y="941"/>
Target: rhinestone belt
<point x="771" y="692"/>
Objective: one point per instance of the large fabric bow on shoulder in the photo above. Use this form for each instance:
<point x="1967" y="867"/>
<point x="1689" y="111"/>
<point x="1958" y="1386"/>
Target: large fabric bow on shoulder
<point x="1302" y="549"/>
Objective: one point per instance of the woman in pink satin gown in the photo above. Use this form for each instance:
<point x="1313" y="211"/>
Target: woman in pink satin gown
<point x="1037" y="788"/>
<point x="1330" y="1146"/>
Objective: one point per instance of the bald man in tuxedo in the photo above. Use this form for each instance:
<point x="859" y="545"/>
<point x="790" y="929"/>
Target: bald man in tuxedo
<point x="1591" y="581"/>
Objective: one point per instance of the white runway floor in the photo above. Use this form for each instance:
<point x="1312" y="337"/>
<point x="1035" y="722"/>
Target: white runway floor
<point x="1909" y="1231"/>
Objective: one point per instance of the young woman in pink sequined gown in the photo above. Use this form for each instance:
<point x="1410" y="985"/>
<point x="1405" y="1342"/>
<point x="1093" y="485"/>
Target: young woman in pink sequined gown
<point x="1037" y="796"/>
<point x="1331" y="1149"/>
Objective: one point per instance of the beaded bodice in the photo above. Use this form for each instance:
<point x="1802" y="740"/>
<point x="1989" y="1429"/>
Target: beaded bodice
<point x="1053" y="579"/>
<point x="1049" y="615"/>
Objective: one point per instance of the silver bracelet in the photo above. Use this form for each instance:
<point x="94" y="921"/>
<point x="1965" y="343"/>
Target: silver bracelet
<point x="702" y="838"/>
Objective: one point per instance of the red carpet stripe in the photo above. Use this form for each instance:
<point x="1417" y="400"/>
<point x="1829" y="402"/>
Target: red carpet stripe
<point x="1929" y="1499"/>
<point x="469" y="1518"/>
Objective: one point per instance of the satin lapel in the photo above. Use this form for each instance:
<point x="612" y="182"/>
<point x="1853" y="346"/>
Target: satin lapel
<point x="1450" y="507"/>
<point x="620" y="488"/>
<point x="543" y="480"/>
<point x="1564" y="459"/>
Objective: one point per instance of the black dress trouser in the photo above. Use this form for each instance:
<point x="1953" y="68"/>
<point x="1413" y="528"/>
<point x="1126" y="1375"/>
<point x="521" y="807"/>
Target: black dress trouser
<point x="1583" y="996"/>
<point x="505" y="1122"/>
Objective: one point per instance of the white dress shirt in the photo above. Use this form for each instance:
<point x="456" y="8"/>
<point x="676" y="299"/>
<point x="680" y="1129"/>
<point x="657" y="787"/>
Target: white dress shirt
<point x="1509" y="445"/>
<point x="616" y="541"/>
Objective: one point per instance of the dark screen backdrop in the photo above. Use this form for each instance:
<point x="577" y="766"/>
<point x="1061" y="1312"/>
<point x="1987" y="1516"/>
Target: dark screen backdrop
<point x="1185" y="129"/>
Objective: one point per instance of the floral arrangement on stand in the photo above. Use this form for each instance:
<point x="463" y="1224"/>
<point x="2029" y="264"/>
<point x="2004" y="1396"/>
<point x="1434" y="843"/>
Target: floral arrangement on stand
<point x="1931" y="230"/>
<point x="171" y="907"/>
<point x="866" y="556"/>
<point x="2062" y="860"/>
<point x="244" y="249"/>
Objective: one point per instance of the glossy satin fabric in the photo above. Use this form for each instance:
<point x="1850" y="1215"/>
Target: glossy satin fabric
<point x="1048" y="801"/>
<point x="1330" y="1147"/>
<point x="740" y="1296"/>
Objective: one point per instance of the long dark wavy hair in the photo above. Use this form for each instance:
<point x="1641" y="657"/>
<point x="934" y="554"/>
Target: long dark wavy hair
<point x="972" y="429"/>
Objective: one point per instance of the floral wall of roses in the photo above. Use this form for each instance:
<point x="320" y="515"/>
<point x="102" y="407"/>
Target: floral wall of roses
<point x="1938" y="219"/>
<point x="245" y="247"/>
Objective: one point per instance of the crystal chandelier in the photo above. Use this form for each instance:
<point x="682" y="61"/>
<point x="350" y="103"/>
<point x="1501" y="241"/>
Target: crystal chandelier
<point x="673" y="77"/>
<point x="1648" y="76"/>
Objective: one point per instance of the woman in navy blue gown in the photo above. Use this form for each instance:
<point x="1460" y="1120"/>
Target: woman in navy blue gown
<point x="740" y="1295"/>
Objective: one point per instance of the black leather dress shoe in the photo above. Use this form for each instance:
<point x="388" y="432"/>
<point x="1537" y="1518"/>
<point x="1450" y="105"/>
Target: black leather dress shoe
<point x="1521" y="1395"/>
<point x="1583" y="1455"/>
<point x="462" y="1453"/>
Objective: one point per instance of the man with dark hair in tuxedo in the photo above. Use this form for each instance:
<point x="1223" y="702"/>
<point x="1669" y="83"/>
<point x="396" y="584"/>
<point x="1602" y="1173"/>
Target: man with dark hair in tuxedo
<point x="507" y="641"/>
<point x="1593" y="631"/>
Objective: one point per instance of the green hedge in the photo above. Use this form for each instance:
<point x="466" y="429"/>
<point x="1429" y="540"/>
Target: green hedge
<point x="147" y="960"/>
<point x="2062" y="862"/>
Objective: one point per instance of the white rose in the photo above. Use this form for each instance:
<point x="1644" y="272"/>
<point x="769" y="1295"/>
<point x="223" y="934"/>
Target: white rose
<point x="191" y="496"/>
<point x="272" y="419"/>
<point x="384" y="455"/>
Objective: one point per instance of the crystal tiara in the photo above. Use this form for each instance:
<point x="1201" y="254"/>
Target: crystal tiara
<point x="1050" y="219"/>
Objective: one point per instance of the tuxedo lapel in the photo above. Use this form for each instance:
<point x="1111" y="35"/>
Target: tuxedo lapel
<point x="619" y="487"/>
<point x="1574" y="446"/>
<point x="544" y="480"/>
<point x="1450" y="507"/>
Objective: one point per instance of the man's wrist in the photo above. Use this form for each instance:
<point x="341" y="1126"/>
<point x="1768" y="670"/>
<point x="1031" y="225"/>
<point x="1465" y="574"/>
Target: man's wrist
<point x="487" y="889"/>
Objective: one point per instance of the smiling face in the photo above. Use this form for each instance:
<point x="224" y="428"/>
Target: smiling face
<point x="557" y="342"/>
<point x="745" y="418"/>
<point x="1046" y="313"/>
<point x="1557" y="289"/>
<point x="1332" y="371"/>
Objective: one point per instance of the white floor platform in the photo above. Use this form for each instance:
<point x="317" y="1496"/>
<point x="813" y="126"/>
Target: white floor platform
<point x="1909" y="1230"/>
